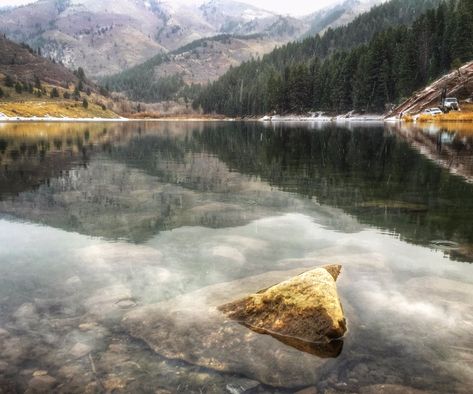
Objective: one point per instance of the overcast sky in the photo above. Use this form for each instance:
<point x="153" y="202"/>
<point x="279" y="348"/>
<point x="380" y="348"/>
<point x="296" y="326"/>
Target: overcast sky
<point x="294" y="7"/>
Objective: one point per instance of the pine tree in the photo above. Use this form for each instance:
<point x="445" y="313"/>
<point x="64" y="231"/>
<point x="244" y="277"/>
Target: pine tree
<point x="316" y="84"/>
<point x="18" y="88"/>
<point x="407" y="67"/>
<point x="361" y="87"/>
<point x="299" y="88"/>
<point x="54" y="93"/>
<point x="463" y="42"/>
<point x="37" y="82"/>
<point x="76" y="94"/>
<point x="80" y="74"/>
<point x="9" y="82"/>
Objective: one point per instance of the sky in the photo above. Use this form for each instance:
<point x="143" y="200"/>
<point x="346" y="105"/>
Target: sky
<point x="294" y="7"/>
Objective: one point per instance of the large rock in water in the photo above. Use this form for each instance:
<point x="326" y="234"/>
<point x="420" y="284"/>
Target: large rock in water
<point x="192" y="329"/>
<point x="305" y="308"/>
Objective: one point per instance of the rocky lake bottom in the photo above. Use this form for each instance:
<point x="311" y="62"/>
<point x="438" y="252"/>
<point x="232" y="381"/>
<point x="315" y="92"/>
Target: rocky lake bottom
<point x="118" y="241"/>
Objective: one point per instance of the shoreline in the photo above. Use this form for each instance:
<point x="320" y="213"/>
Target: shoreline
<point x="52" y="119"/>
<point x="20" y="119"/>
<point x="372" y="119"/>
<point x="288" y="119"/>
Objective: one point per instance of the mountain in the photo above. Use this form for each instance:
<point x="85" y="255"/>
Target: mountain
<point x="375" y="60"/>
<point x="205" y="60"/>
<point x="164" y="76"/>
<point x="107" y="36"/>
<point x="230" y="16"/>
<point x="338" y="15"/>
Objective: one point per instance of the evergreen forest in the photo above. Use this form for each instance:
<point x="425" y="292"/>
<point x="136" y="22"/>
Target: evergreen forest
<point x="365" y="66"/>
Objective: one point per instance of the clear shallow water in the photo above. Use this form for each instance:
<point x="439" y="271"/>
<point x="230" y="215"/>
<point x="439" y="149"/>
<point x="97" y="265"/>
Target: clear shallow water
<point x="97" y="220"/>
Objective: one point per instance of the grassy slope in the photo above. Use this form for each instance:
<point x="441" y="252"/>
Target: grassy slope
<point x="28" y="105"/>
<point x="59" y="109"/>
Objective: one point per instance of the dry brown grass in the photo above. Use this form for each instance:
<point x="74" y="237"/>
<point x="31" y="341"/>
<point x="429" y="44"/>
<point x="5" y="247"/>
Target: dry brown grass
<point x="465" y="115"/>
<point x="58" y="108"/>
<point x="28" y="105"/>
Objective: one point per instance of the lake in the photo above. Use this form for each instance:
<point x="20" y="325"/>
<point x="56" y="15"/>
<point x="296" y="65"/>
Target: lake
<point x="98" y="221"/>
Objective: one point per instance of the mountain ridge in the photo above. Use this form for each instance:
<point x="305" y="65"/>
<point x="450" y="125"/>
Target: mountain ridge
<point x="109" y="36"/>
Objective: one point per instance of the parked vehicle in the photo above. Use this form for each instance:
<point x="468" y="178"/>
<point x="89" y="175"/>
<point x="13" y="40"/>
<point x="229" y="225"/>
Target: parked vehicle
<point x="451" y="103"/>
<point x="432" y="111"/>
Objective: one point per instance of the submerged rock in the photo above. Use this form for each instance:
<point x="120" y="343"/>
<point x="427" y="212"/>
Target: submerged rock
<point x="41" y="384"/>
<point x="80" y="350"/>
<point x="40" y="372"/>
<point x="390" y="389"/>
<point x="241" y="386"/>
<point x="26" y="316"/>
<point x="192" y="329"/>
<point x="305" y="308"/>
<point x="3" y="366"/>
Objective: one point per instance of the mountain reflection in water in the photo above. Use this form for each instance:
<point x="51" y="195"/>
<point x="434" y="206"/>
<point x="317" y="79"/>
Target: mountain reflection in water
<point x="132" y="181"/>
<point x="99" y="219"/>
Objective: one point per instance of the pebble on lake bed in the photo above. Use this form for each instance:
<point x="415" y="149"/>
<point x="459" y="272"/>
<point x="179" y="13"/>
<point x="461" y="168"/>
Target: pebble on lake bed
<point x="80" y="350"/>
<point x="390" y="389"/>
<point x="40" y="373"/>
<point x="41" y="384"/>
<point x="241" y="385"/>
<point x="126" y="304"/>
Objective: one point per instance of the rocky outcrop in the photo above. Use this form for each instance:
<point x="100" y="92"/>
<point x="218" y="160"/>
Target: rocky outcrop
<point x="305" y="308"/>
<point x="192" y="329"/>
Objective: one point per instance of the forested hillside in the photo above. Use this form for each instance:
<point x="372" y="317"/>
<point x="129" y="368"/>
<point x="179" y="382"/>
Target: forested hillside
<point x="363" y="66"/>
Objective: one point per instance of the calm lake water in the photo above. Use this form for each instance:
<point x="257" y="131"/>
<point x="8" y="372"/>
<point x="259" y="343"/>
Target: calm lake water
<point x="99" y="220"/>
